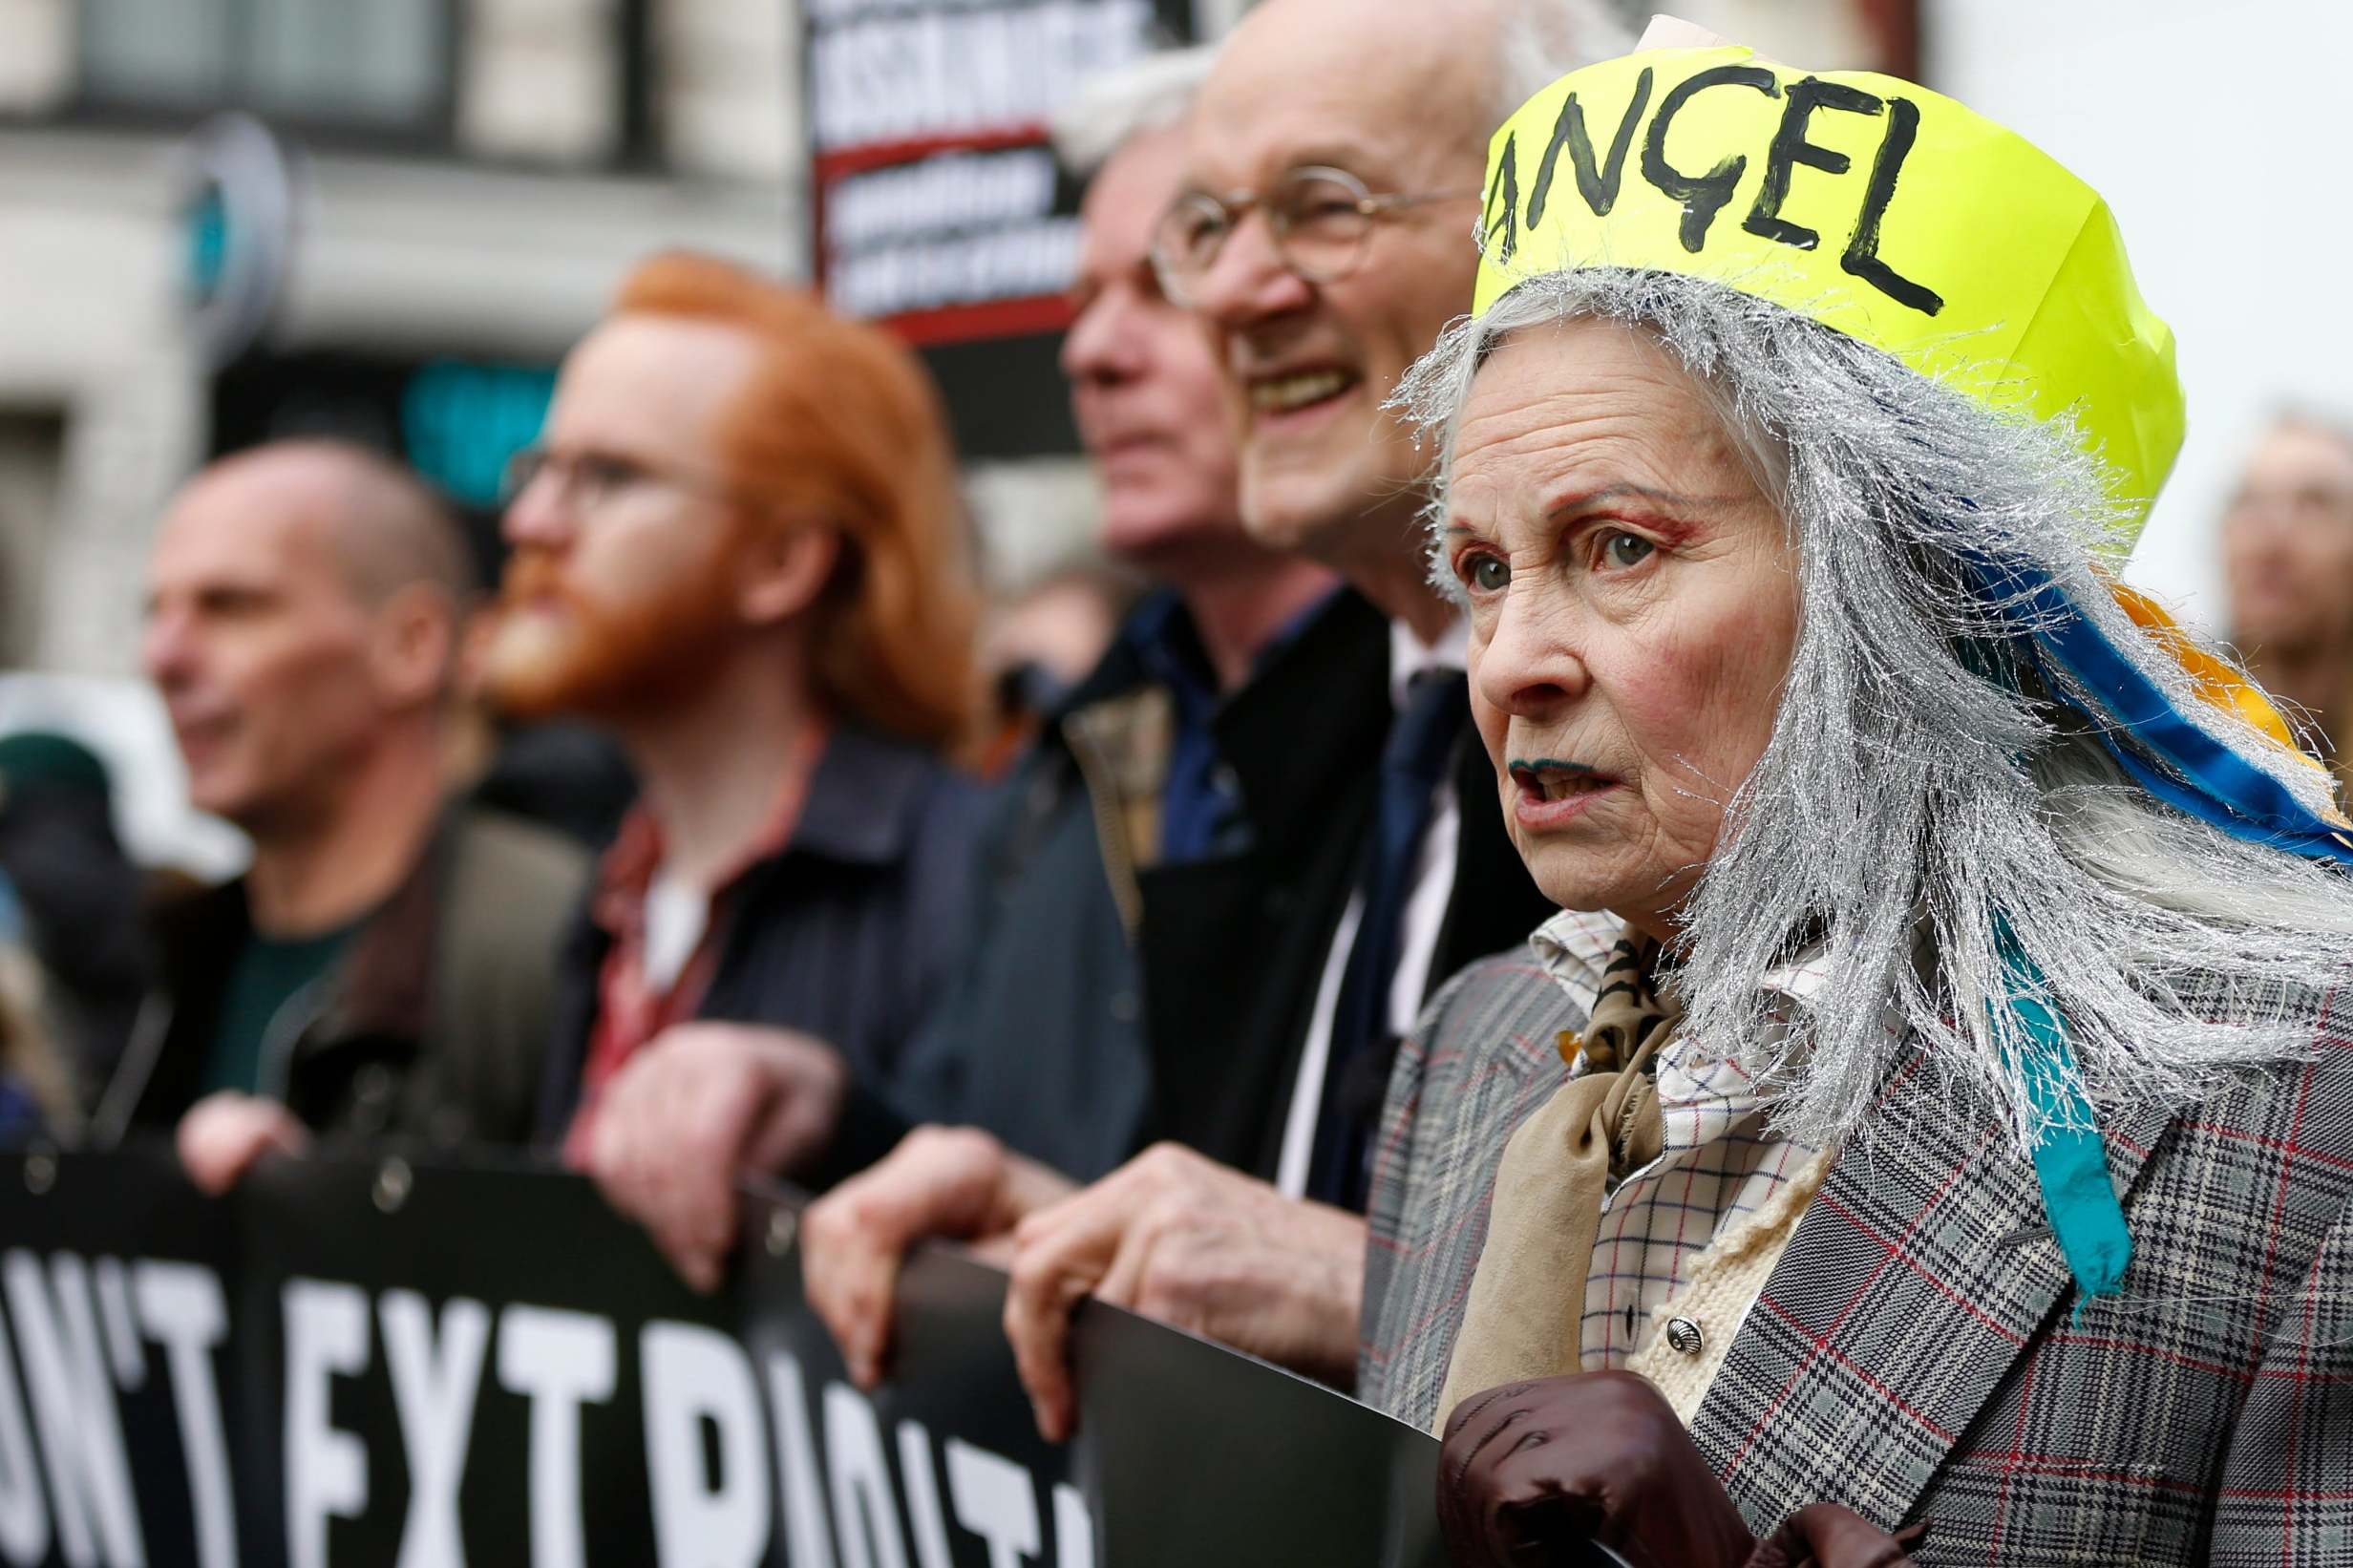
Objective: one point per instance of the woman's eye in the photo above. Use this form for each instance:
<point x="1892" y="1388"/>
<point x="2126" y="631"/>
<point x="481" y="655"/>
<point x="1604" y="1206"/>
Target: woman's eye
<point x="1626" y="549"/>
<point x="1488" y="574"/>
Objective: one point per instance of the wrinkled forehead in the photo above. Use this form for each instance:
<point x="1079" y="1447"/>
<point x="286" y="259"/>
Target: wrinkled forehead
<point x="1588" y="405"/>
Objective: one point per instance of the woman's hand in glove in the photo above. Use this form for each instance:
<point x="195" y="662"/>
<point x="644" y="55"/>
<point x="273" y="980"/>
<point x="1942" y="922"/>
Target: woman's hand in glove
<point x="1530" y="1472"/>
<point x="1826" y="1536"/>
<point x="1541" y="1472"/>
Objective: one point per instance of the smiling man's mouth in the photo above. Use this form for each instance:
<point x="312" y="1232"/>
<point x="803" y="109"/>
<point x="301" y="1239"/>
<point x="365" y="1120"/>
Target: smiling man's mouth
<point x="1298" y="390"/>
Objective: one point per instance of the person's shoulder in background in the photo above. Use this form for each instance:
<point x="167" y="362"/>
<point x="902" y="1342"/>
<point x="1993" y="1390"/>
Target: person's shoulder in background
<point x="526" y="865"/>
<point x="37" y="1087"/>
<point x="509" y="893"/>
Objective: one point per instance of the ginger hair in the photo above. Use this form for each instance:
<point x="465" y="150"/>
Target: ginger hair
<point x="842" y="421"/>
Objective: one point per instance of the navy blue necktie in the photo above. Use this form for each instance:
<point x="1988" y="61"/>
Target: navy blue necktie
<point x="1412" y="765"/>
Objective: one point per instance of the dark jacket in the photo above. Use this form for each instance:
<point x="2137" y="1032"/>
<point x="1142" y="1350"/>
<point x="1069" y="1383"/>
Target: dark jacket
<point x="1078" y="1044"/>
<point x="82" y="900"/>
<point x="430" y="1027"/>
<point x="1494" y="903"/>
<point x="848" y="934"/>
<point x="1227" y="1095"/>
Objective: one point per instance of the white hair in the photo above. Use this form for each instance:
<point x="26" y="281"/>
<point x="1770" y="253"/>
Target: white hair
<point x="1153" y="93"/>
<point x="1923" y="797"/>
<point x="1538" y="42"/>
<point x="1544" y="40"/>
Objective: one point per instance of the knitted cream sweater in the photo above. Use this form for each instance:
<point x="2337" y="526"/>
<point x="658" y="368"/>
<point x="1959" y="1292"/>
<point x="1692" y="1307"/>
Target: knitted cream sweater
<point x="1718" y="1289"/>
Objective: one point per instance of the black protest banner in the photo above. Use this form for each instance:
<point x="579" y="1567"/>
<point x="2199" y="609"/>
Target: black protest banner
<point x="1192" y="1454"/>
<point x="937" y="205"/>
<point x="375" y="1364"/>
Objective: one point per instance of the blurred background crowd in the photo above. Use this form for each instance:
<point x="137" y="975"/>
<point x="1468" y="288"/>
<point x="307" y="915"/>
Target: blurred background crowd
<point x="286" y="787"/>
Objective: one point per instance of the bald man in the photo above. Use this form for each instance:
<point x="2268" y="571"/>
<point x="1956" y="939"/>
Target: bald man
<point x="383" y="967"/>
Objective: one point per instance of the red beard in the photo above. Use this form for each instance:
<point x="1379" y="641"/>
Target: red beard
<point x="557" y="651"/>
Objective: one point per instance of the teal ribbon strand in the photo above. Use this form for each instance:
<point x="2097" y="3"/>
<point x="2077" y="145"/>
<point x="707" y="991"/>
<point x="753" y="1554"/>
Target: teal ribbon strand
<point x="2070" y="1162"/>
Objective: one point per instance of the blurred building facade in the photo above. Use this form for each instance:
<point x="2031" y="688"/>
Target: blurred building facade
<point x="469" y="181"/>
<point x="466" y="182"/>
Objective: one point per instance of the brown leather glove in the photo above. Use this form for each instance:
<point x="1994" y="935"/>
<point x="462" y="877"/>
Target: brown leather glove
<point x="1827" y="1536"/>
<point x="1541" y="1471"/>
<point x="1534" y="1472"/>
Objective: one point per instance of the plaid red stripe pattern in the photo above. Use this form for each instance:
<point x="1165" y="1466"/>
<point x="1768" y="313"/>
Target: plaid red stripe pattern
<point x="1919" y="1351"/>
<point x="1482" y="1060"/>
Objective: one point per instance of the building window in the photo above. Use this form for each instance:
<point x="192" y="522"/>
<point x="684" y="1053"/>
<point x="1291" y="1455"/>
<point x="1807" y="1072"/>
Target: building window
<point x="363" y="65"/>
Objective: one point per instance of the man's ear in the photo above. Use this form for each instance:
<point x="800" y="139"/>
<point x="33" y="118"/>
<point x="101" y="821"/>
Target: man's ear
<point x="412" y="650"/>
<point x="782" y="569"/>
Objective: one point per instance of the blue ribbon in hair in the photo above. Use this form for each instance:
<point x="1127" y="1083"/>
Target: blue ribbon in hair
<point x="2180" y="761"/>
<point x="2201" y="775"/>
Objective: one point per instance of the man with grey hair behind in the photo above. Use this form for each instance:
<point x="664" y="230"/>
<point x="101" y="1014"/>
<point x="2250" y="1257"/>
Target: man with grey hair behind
<point x="1169" y="861"/>
<point x="1210" y="766"/>
<point x="1321" y="229"/>
<point x="383" y="967"/>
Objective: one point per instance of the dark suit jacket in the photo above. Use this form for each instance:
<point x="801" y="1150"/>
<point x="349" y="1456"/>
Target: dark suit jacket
<point x="1079" y="1047"/>
<point x="1077" y="1044"/>
<point x="1230" y="1091"/>
<point x="849" y="933"/>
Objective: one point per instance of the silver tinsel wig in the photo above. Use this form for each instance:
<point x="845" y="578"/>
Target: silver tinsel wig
<point x="1933" y="792"/>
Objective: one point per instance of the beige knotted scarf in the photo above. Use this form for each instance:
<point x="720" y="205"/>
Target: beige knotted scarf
<point x="1527" y="1298"/>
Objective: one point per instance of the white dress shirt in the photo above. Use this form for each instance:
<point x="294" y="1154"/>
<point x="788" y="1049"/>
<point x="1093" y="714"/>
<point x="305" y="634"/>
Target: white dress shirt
<point x="1425" y="912"/>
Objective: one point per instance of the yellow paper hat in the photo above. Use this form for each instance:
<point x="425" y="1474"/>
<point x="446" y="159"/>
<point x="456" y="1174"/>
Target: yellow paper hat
<point x="1889" y="212"/>
<point x="1910" y="223"/>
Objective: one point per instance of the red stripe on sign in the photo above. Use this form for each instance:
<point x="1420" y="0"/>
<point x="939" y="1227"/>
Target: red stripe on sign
<point x="997" y="318"/>
<point x="834" y="165"/>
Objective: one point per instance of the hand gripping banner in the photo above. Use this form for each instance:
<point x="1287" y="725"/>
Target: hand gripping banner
<point x="379" y="1364"/>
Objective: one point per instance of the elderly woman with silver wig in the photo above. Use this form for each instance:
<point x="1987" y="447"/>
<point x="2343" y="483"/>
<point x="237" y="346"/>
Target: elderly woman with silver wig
<point x="1956" y="1151"/>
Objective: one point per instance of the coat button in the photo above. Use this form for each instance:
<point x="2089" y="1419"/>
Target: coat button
<point x="1684" y="1336"/>
<point x="1127" y="1006"/>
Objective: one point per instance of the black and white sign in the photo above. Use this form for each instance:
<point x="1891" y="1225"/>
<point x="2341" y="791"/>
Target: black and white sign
<point x="355" y="1364"/>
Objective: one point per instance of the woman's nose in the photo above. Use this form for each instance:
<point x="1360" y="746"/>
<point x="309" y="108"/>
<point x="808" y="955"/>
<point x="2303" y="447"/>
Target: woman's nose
<point x="1526" y="664"/>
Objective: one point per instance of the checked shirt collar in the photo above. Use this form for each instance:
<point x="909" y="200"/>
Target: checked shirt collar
<point x="1719" y="1162"/>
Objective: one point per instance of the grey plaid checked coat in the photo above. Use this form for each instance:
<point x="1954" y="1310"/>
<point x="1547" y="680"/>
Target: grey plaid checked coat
<point x="1919" y="1352"/>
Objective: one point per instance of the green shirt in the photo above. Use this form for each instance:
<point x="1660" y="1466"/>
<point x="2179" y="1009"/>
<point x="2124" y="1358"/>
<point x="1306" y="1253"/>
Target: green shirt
<point x="270" y="972"/>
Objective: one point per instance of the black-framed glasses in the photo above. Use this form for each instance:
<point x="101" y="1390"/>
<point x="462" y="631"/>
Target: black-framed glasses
<point x="1321" y="219"/>
<point x="589" y="481"/>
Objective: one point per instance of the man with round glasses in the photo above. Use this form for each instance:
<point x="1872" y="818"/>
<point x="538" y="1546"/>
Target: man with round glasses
<point x="1323" y="233"/>
<point x="1320" y="220"/>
